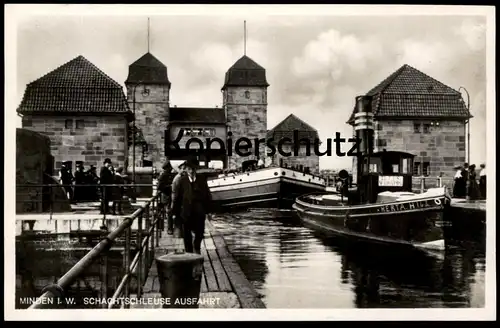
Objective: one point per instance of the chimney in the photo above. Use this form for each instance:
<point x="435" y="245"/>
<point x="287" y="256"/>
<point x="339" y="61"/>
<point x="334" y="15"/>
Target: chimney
<point x="363" y="123"/>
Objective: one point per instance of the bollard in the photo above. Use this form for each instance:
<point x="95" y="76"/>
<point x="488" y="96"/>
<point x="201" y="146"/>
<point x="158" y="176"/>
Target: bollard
<point x="180" y="277"/>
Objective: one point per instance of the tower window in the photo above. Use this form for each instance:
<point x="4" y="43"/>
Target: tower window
<point x="247" y="94"/>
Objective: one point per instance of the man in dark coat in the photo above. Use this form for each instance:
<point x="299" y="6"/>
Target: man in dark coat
<point x="192" y="203"/>
<point x="80" y="189"/>
<point x="165" y="188"/>
<point x="106" y="178"/>
<point x="92" y="180"/>
<point x="66" y="178"/>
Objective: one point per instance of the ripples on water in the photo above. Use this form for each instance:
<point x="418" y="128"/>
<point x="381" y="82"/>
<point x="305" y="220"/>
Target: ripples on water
<point x="294" y="267"/>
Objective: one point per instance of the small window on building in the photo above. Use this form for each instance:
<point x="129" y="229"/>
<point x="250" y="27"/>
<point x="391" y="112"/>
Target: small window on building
<point x="395" y="168"/>
<point x="405" y="168"/>
<point x="247" y="94"/>
<point x="68" y="124"/>
<point x="373" y="168"/>
<point x="426" y="168"/>
<point x="427" y="128"/>
<point x="149" y="121"/>
<point x="247" y="121"/>
<point x="80" y="124"/>
<point x="145" y="92"/>
<point x="416" y="168"/>
<point x="416" y="127"/>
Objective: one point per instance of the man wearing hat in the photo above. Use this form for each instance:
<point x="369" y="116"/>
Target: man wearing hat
<point x="165" y="187"/>
<point x="175" y="189"/>
<point x="191" y="203"/>
<point x="106" y="178"/>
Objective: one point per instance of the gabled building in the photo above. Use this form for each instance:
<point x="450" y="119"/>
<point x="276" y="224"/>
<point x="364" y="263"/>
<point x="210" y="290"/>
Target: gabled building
<point x="82" y="110"/>
<point x="285" y="129"/>
<point x="415" y="113"/>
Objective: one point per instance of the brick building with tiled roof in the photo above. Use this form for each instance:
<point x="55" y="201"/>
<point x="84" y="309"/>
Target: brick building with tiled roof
<point x="415" y="113"/>
<point x="82" y="110"/>
<point x="285" y="129"/>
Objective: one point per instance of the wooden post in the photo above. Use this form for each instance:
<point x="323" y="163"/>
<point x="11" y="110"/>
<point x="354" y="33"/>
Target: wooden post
<point x="140" y="262"/>
<point x="126" y="264"/>
<point x="104" y="279"/>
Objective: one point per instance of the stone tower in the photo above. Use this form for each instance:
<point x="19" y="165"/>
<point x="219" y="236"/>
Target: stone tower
<point x="148" y="84"/>
<point x="245" y="102"/>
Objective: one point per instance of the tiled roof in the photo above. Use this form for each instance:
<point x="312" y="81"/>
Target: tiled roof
<point x="245" y="72"/>
<point x="197" y="115"/>
<point x="75" y="87"/>
<point x="148" y="69"/>
<point x="410" y="93"/>
<point x="291" y="123"/>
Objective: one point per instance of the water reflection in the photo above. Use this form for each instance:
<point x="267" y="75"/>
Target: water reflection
<point x="294" y="267"/>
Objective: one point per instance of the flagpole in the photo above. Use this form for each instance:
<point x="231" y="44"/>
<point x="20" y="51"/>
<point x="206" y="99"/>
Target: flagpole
<point x="245" y="37"/>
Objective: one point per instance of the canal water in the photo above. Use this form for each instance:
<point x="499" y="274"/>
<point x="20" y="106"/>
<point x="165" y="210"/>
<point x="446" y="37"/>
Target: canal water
<point x="293" y="267"/>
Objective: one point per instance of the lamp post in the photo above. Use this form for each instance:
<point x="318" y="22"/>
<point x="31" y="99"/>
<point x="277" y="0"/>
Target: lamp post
<point x="468" y="123"/>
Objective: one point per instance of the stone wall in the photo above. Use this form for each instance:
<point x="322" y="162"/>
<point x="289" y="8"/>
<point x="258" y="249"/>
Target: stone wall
<point x="246" y="112"/>
<point x="138" y="156"/>
<point x="311" y="161"/>
<point x="442" y="146"/>
<point x="152" y="115"/>
<point x="33" y="159"/>
<point x="90" y="139"/>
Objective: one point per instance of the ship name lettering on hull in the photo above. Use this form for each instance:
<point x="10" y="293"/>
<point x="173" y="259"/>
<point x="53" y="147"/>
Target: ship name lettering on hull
<point x="403" y="207"/>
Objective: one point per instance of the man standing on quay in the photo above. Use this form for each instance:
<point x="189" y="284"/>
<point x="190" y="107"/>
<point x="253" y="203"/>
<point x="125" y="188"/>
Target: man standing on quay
<point x="191" y="204"/>
<point x="165" y="187"/>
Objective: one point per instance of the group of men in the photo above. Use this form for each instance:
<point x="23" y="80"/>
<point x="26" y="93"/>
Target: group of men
<point x="114" y="194"/>
<point x="84" y="188"/>
<point x="466" y="182"/>
<point x="187" y="200"/>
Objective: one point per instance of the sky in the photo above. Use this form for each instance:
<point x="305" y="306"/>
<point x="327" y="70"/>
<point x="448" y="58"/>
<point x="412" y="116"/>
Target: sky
<point x="315" y="65"/>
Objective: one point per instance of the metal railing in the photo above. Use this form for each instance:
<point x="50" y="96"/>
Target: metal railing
<point x="147" y="238"/>
<point x="42" y="196"/>
<point x="423" y="183"/>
